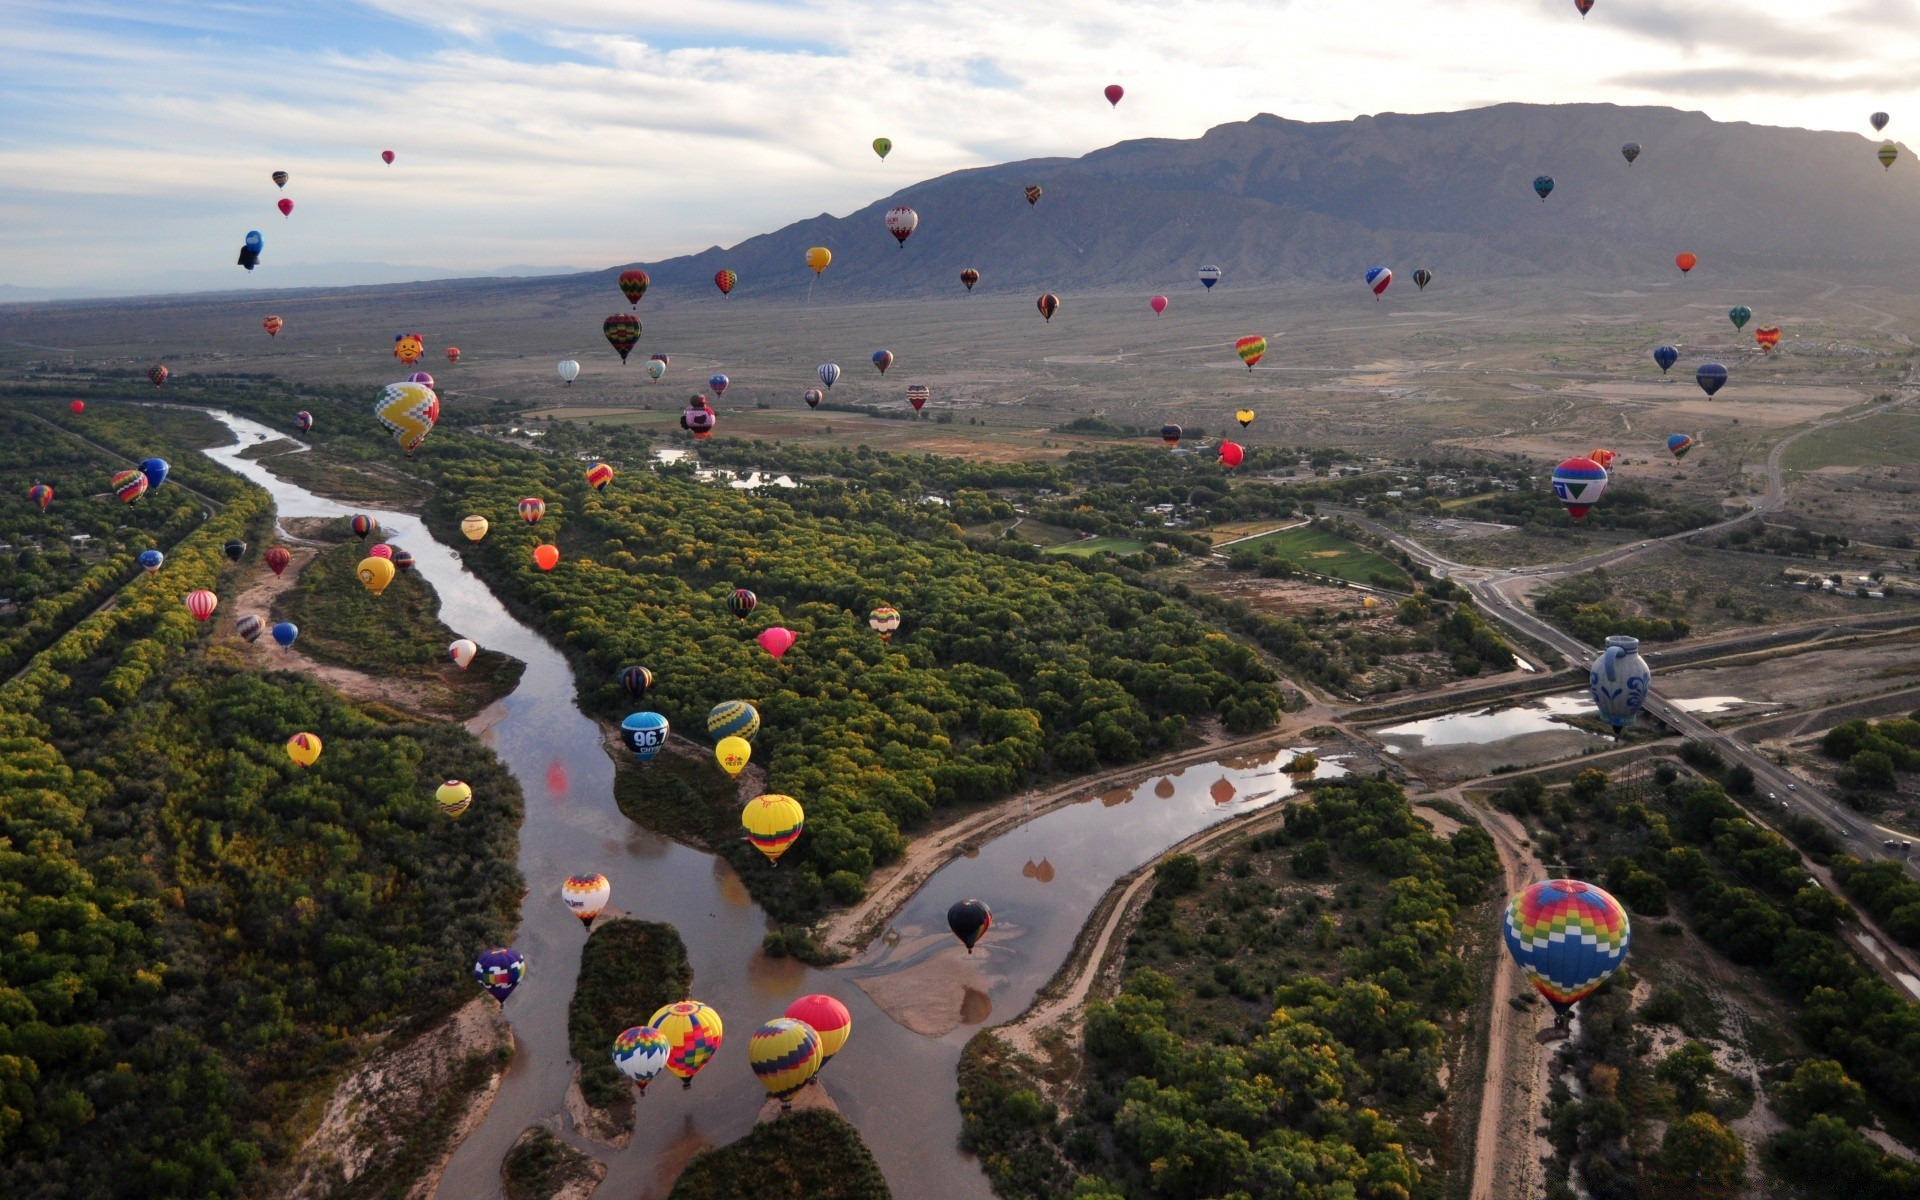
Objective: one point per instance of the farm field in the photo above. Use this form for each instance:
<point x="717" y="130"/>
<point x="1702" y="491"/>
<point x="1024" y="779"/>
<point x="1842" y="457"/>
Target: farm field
<point x="1326" y="553"/>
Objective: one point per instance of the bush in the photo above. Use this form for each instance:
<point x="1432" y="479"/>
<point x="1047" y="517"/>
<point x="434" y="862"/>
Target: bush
<point x="810" y="1154"/>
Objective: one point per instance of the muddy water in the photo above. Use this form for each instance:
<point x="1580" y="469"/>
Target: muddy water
<point x="895" y="1078"/>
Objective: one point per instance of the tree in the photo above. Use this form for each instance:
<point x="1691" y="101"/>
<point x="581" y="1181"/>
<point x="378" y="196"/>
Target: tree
<point x="1699" y="1151"/>
<point x="1821" y="1086"/>
<point x="1687" y="1071"/>
<point x="1589" y="785"/>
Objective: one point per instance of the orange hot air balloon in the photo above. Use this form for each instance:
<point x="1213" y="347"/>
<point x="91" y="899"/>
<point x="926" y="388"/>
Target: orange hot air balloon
<point x="724" y="280"/>
<point x="547" y="556"/>
<point x="1685" y="261"/>
<point x="1602" y="455"/>
<point x="273" y="326"/>
<point x="1768" y="337"/>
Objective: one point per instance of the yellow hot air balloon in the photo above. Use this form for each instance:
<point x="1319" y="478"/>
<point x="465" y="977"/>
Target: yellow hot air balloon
<point x="818" y="258"/>
<point x="733" y="753"/>
<point x="693" y="1032"/>
<point x="1244" y="416"/>
<point x="303" y="748"/>
<point x="475" y="527"/>
<point x="773" y="823"/>
<point x="1888" y="153"/>
<point x="784" y="1053"/>
<point x="454" y="797"/>
<point x="375" y="573"/>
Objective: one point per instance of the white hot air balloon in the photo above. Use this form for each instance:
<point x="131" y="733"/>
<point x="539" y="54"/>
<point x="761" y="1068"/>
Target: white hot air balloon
<point x="829" y="372"/>
<point x="569" y="370"/>
<point x="462" y="653"/>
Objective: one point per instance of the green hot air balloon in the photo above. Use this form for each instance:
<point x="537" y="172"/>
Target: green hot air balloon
<point x="881" y="146"/>
<point x="1739" y="314"/>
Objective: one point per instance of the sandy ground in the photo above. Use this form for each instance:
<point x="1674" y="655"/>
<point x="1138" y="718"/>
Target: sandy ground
<point x="1819" y="676"/>
<point x="814" y="1095"/>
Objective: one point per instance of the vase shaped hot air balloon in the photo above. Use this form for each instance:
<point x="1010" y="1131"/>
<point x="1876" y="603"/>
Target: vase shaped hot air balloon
<point x="777" y="640"/>
<point x="656" y="368"/>
<point x="645" y="734"/>
<point x="235" y="549"/>
<point x="733" y="754"/>
<point x="500" y="970"/>
<point x="1171" y="434"/>
<point x="1603" y="456"/>
<point x="636" y="680"/>
<point x="1578" y="483"/>
<point x="1711" y="377"/>
<point x="733" y="718"/>
<point x="382" y="550"/>
<point x="461" y="651"/>
<point x="1251" y="350"/>
<point x="968" y="278"/>
<point x="410" y="411"/>
<point x="719" y="384"/>
<point x="474" y="527"/>
<point x="1878" y="121"/>
<point x="633" y="285"/>
<point x="1679" y="443"/>
<point x="1666" y="356"/>
<point x="1378" y="280"/>
<point x="1567" y="937"/>
<point x="280" y="178"/>
<point x="883" y="620"/>
<point x="285" y="206"/>
<point x="156" y="470"/>
<point x="251" y="247"/>
<point x="829" y="1018"/>
<point x="773" y="823"/>
<point x="402" y="560"/>
<point x="304" y="749"/>
<point x="725" y="280"/>
<point x="586" y="895"/>
<point x="693" y="1032"/>
<point x="362" y="525"/>
<point x="1048" y="305"/>
<point x="454" y="797"/>
<point x="1618" y="681"/>
<point x="623" y="333"/>
<point x="969" y="920"/>
<point x="785" y="1054"/>
<point x="1630" y="151"/>
<point x="386" y="156"/>
<point x="741" y="602"/>
<point x="640" y="1053"/>
<point x="77" y="407"/>
<point x="201" y="603"/>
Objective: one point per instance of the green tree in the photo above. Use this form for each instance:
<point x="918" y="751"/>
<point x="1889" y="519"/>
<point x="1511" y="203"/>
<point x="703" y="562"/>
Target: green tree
<point x="1821" y="1086"/>
<point x="1688" y="1071"/>
<point x="1703" y="1154"/>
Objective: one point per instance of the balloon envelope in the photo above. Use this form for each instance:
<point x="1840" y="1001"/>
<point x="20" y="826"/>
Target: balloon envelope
<point x="1209" y="275"/>
<point x="784" y="1053"/>
<point x="882" y="147"/>
<point x="969" y="920"/>
<point x="461" y="651"/>
<point x="152" y="560"/>
<point x="740" y="602"/>
<point x="1158" y="304"/>
<point x="1567" y="937"/>
<point x="636" y="680"/>
<point x="1618" y="681"/>
<point x="693" y="1032"/>
<point x="1171" y="434"/>
<point x="622" y="332"/>
<point x="1543" y="186"/>
<point x="1879" y="121"/>
<point x="969" y="277"/>
<point x="586" y="895"/>
<point x="1379" y="279"/>
<point x="286" y="633"/>
<point x="634" y="284"/>
<point x="1251" y="349"/>
<point x="829" y="1018"/>
<point x="42" y="494"/>
<point x="474" y="527"/>
<point x="829" y="373"/>
<point x="733" y="718"/>
<point x="645" y="734"/>
<point x="410" y="411"/>
<point x="201" y="603"/>
<point x="1711" y="377"/>
<point x="724" y="280"/>
<point x="304" y="749"/>
<point x="1630" y="151"/>
<point x="819" y="257"/>
<point x="1739" y="314"/>
<point x="1666" y="356"/>
<point x="303" y="420"/>
<point x="599" y="475"/>
<point x="155" y="469"/>
<point x="640" y="1053"/>
<point x="1113" y="93"/>
<point x="249" y="627"/>
<point x="733" y="754"/>
<point x="1679" y="443"/>
<point x="656" y="369"/>
<point x="1232" y="454"/>
<point x="546" y="557"/>
<point x="570" y="370"/>
<point x="276" y="559"/>
<point x="1245" y="416"/>
<point x="1048" y="305"/>
<point x="129" y="486"/>
<point x="500" y="971"/>
<point x="1685" y="261"/>
<point x="882" y="359"/>
<point x="375" y="573"/>
<point x="532" y="509"/>
<point x="901" y="221"/>
<point x="453" y="797"/>
<point x="1578" y="484"/>
<point x="773" y="823"/>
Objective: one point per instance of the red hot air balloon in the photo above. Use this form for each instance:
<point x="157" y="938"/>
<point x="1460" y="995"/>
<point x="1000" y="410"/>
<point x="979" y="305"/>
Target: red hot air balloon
<point x="201" y="603"/>
<point x="273" y="325"/>
<point x="1232" y="454"/>
<point x="1158" y="304"/>
<point x="286" y="207"/>
<point x="918" y="395"/>
<point x="453" y="354"/>
<point x="78" y="407"/>
<point x="724" y="280"/>
<point x="546" y="557"/>
<point x="386" y="156"/>
<point x="277" y="559"/>
<point x="969" y="277"/>
<point x="1685" y="261"/>
<point x="1115" y="91"/>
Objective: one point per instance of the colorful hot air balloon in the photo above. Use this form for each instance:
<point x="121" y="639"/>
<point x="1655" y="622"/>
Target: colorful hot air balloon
<point x="285" y="634"/>
<point x="1378" y="280"/>
<point x="1422" y="277"/>
<point x="829" y="1018"/>
<point x="882" y="359"/>
<point x="882" y="146"/>
<point x="1158" y="304"/>
<point x="273" y="325"/>
<point x="636" y="680"/>
<point x="249" y="627"/>
<point x="633" y="285"/>
<point x="77" y="407"/>
<point x="1209" y="275"/>
<point x="813" y="397"/>
<point x="901" y="221"/>
<point x="645" y="734"/>
<point x="453" y="354"/>
<point x="303" y="421"/>
<point x="1171" y="434"/>
<point x="1666" y="356"/>
<point x="402" y="559"/>
<point x="1686" y="260"/>
<point x="1768" y="337"/>
<point x="152" y="560"/>
<point x="784" y="1053"/>
<point x="201" y="603"/>
<point x="693" y="1032"/>
<point x="1679" y="443"/>
<point x="546" y="556"/>
<point x="129" y="486"/>
<point x="155" y="469"/>
<point x="454" y="796"/>
<point x="1887" y="153"/>
<point x="733" y="754"/>
<point x="304" y="749"/>
<point x="1603" y="456"/>
<point x="586" y="895"/>
<point x="724" y="280"/>
<point x="410" y="410"/>
<point x="1250" y="349"/>
<point x="569" y="370"/>
<point x="1578" y="483"/>
<point x="656" y="369"/>
<point x="41" y="494"/>
<point x="740" y="602"/>
<point x="1878" y="121"/>
<point x="235" y="549"/>
<point x="883" y="620"/>
<point x="1232" y="454"/>
<point x="532" y="509"/>
<point x="828" y="373"/>
<point x="819" y="258"/>
<point x="968" y="278"/>
<point x="499" y="971"/>
<point x="474" y="526"/>
<point x="1711" y="377"/>
<point x="1630" y="151"/>
<point x="719" y="385"/>
<point x="969" y="920"/>
<point x="623" y="333"/>
<point x="375" y="573"/>
<point x="773" y="823"/>
<point x="362" y="525"/>
<point x="1739" y="314"/>
<point x="157" y="374"/>
<point x="777" y="640"/>
<point x="1543" y="187"/>
<point x="1567" y="937"/>
<point x="1245" y="416"/>
<point x="1048" y="305"/>
<point x="386" y="156"/>
<point x="698" y="419"/>
<point x="408" y="347"/>
<point x="917" y="395"/>
<point x="640" y="1053"/>
<point x="1618" y="681"/>
<point x="461" y="651"/>
<point x="1034" y="193"/>
<point x="733" y="718"/>
<point x="1114" y="92"/>
<point x="280" y="178"/>
<point x="285" y="206"/>
<point x="599" y="475"/>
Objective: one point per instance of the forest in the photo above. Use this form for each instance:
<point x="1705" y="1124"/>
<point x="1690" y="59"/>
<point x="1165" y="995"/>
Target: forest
<point x="805" y="1155"/>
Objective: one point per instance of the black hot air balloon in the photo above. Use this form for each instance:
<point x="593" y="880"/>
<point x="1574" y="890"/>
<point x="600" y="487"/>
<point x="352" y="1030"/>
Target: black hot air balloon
<point x="236" y="549"/>
<point x="969" y="920"/>
<point x="742" y="602"/>
<point x="1421" y="278"/>
<point x="1630" y="151"/>
<point x="636" y="680"/>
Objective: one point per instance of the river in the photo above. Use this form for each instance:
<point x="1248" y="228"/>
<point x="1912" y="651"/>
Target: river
<point x="1042" y="878"/>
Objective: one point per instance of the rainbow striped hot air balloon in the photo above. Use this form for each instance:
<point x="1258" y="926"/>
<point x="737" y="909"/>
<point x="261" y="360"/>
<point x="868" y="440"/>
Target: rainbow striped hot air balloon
<point x="785" y="1054"/>
<point x="1567" y="938"/>
<point x="1679" y="443"/>
<point x="41" y="494"/>
<point x="693" y="1032"/>
<point x="773" y="823"/>
<point x="129" y="486"/>
<point x="1250" y="349"/>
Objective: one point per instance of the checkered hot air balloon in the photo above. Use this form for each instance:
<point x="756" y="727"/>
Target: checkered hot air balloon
<point x="693" y="1032"/>
<point x="1567" y="937"/>
<point x="633" y="285"/>
<point x="640" y="1054"/>
<point x="410" y="411"/>
<point x="500" y="970"/>
<point x="623" y="333"/>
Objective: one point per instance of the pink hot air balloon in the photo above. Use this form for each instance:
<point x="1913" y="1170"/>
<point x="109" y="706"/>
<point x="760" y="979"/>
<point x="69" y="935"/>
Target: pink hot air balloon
<point x="386" y="156"/>
<point x="286" y="207"/>
<point x="777" y="640"/>
<point x="1114" y="92"/>
<point x="1158" y="304"/>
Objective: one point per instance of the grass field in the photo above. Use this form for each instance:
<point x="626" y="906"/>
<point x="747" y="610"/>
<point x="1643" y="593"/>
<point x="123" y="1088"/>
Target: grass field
<point x="1099" y="545"/>
<point x="1317" y="550"/>
<point x="1889" y="440"/>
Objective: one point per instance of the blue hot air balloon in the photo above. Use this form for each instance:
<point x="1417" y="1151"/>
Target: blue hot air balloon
<point x="1209" y="275"/>
<point x="250" y="250"/>
<point x="646" y="734"/>
<point x="1618" y="680"/>
<point x="285" y="632"/>
<point x="719" y="385"/>
<point x="155" y="469"/>
<point x="500" y="971"/>
<point x="1679" y="443"/>
<point x="1666" y="356"/>
<point x="1567" y="937"/>
<point x="1711" y="377"/>
<point x="1543" y="187"/>
<point x="152" y="560"/>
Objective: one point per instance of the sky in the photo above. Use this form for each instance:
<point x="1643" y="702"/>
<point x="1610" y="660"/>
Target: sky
<point x="137" y="139"/>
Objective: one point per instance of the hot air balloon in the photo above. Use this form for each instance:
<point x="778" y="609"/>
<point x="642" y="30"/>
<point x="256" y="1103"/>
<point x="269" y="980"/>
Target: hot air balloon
<point x="235" y="549"/>
<point x="1209" y="275"/>
<point x="777" y="640"/>
<point x="532" y="509"/>
<point x="386" y="156"/>
<point x="698" y="420"/>
<point x="1767" y="336"/>
<point x="1711" y="377"/>
<point x="1232" y="454"/>
<point x="1618" y="681"/>
<point x="785" y="1054"/>
<point x="901" y="221"/>
<point x="1578" y="483"/>
<point x="1686" y="261"/>
<point x="724" y="280"/>
<point x="381" y="550"/>
<point x="41" y="494"/>
<point x="828" y="373"/>
<point x="640" y="1053"/>
<point x="1250" y="349"/>
<point x="1878" y="121"/>
<point x="883" y="620"/>
<point x="1567" y="937"/>
<point x="546" y="557"/>
<point x="1679" y="443"/>
<point x="285" y="206"/>
<point x="474" y="526"/>
<point x="155" y="469"/>
<point x="633" y="285"/>
<point x="1543" y="187"/>
<point x="882" y="359"/>
<point x="733" y="754"/>
<point x="77" y="407"/>
<point x="1113" y="93"/>
<point x="1603" y="456"/>
<point x="157" y="375"/>
<point x="636" y="680"/>
<point x="1171" y="433"/>
<point x="461" y="651"/>
<point x="1245" y="417"/>
<point x="499" y="970"/>
<point x="1666" y="356"/>
<point x="250" y="249"/>
<point x="773" y="823"/>
<point x="273" y="325"/>
<point x="1630" y="151"/>
<point x="410" y="410"/>
<point x="375" y="574"/>
<point x="362" y="525"/>
<point x="829" y="1018"/>
<point x="1585" y="6"/>
<point x="1034" y="193"/>
<point x="129" y="486"/>
<point x="1739" y="314"/>
<point x="656" y="368"/>
<point x="819" y="257"/>
<point x="1158" y="304"/>
<point x="280" y="178"/>
<point x="623" y="333"/>
<point x="453" y="354"/>
<point x="917" y="395"/>
<point x="968" y="278"/>
<point x="285" y="634"/>
<point x="1379" y="279"/>
<point x="813" y="397"/>
<point x="152" y="561"/>
<point x="719" y="385"/>
<point x="303" y="421"/>
<point x="249" y="627"/>
<point x="969" y="920"/>
<point x="454" y="797"/>
<point x="693" y="1032"/>
<point x="402" y="559"/>
<point x="586" y="895"/>
<point x="1887" y="153"/>
<point x="733" y="718"/>
<point x="1422" y="277"/>
<point x="303" y="749"/>
<point x="645" y="734"/>
<point x="599" y="475"/>
<point x="882" y="147"/>
<point x="569" y="370"/>
<point x="408" y="347"/>
<point x="1048" y="305"/>
<point x="740" y="602"/>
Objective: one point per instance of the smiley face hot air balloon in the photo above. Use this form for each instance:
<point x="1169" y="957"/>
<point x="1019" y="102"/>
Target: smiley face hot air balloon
<point x="568" y="370"/>
<point x="546" y="556"/>
<point x="410" y="411"/>
<point x="1686" y="261"/>
<point x="129" y="486"/>
<point x="1048" y="305"/>
<point x="640" y="1053"/>
<point x="1603" y="456"/>
<point x="1171" y="434"/>
<point x="1618" y="681"/>
<point x="819" y="258"/>
<point x="741" y="602"/>
<point x="474" y="527"/>
<point x="1245" y="416"/>
<point x="882" y="359"/>
<point x="151" y="561"/>
<point x="454" y="797"/>
<point x="785" y="1053"/>
<point x="883" y="147"/>
<point x="599" y="475"/>
<point x="1543" y="187"/>
<point x="1679" y="443"/>
<point x="693" y="1032"/>
<point x="1378" y="280"/>
<point x="633" y="285"/>
<point x="1767" y="337"/>
<point x="201" y="603"/>
<point x="645" y="734"/>
<point x="725" y="281"/>
<point x="901" y="221"/>
<point x="407" y="347"/>
<point x="777" y="640"/>
<point x="1251" y="350"/>
<point x="1567" y="937"/>
<point x="733" y="718"/>
<point x="273" y="326"/>
<point x="773" y="823"/>
<point x="968" y="278"/>
<point x="461" y="651"/>
<point x="883" y="620"/>
<point x="375" y="573"/>
<point x="304" y="749"/>
<point x="532" y="509"/>
<point x="829" y="374"/>
<point x="586" y="895"/>
<point x="733" y="754"/>
<point x="636" y="680"/>
<point x="829" y="1018"/>
<point x="1740" y="314"/>
<point x="303" y="421"/>
<point x="1578" y="484"/>
<point x="623" y="333"/>
<point x="500" y="971"/>
<point x="1666" y="356"/>
<point x="1711" y="377"/>
<point x="969" y="920"/>
<point x="41" y="494"/>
